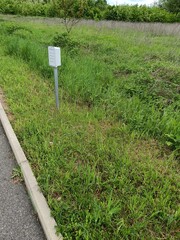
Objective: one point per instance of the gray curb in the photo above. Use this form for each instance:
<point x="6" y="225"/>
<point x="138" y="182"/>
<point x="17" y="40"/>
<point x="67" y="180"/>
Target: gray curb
<point x="48" y="223"/>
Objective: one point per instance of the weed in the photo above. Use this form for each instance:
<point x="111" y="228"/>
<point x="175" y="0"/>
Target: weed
<point x="17" y="175"/>
<point x="173" y="141"/>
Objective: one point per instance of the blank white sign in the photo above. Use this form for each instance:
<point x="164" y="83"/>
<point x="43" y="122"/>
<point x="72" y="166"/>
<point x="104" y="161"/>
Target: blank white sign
<point x="54" y="54"/>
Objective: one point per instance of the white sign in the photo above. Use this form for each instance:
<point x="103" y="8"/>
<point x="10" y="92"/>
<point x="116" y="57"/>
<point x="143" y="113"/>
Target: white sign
<point x="54" y="54"/>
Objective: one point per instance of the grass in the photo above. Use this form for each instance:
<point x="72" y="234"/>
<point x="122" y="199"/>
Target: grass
<point x="102" y="161"/>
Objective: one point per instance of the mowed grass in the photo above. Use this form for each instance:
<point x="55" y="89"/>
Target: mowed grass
<point x="107" y="162"/>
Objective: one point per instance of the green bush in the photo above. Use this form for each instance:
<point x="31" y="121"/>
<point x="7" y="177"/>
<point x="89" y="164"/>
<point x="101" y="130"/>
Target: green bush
<point x="139" y="14"/>
<point x="8" y="7"/>
<point x="64" y="41"/>
<point x="50" y="10"/>
<point x="24" y="8"/>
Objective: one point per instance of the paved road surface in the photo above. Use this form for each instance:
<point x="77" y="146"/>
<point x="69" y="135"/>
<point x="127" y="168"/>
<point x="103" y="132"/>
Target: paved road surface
<point x="18" y="220"/>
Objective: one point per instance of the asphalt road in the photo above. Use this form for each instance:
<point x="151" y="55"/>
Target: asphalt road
<point x="18" y="220"/>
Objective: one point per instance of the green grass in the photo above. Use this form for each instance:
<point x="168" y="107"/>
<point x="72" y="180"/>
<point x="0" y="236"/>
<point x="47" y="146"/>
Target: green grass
<point x="102" y="161"/>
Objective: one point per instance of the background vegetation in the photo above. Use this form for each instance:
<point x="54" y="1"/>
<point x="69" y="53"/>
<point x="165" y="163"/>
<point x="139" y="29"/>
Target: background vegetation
<point x="93" y="9"/>
<point x="108" y="161"/>
<point x="170" y="5"/>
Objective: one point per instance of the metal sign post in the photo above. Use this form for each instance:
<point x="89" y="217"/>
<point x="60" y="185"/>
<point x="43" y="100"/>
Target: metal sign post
<point x="54" y="54"/>
<point x="56" y="86"/>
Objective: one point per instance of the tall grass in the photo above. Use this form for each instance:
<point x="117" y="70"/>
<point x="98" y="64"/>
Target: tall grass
<point x="34" y="54"/>
<point x="150" y="28"/>
<point x="144" y="95"/>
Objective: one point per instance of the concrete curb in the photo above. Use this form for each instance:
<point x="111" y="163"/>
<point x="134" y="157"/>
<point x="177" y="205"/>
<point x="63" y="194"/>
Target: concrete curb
<point x="48" y="223"/>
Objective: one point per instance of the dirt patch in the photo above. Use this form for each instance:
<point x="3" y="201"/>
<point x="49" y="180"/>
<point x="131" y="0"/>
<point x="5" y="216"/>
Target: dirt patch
<point x="107" y="125"/>
<point x="149" y="149"/>
<point x="122" y="73"/>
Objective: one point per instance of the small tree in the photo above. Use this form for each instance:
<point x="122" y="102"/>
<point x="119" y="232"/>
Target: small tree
<point x="71" y="11"/>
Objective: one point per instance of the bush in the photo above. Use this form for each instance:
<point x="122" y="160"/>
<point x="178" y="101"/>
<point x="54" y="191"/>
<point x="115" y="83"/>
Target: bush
<point x="8" y="7"/>
<point x="23" y="8"/>
<point x="65" y="41"/>
<point x="139" y="14"/>
<point x="50" y="10"/>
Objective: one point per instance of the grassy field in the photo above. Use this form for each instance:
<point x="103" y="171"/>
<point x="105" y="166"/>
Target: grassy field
<point x="108" y="160"/>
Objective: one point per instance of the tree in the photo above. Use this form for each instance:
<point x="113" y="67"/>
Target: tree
<point x="170" y="5"/>
<point x="71" y="11"/>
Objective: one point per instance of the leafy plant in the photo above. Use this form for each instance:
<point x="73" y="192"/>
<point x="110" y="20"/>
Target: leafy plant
<point x="17" y="175"/>
<point x="64" y="41"/>
<point x="173" y="141"/>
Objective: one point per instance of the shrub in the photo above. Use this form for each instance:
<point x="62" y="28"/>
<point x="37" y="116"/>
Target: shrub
<point x="139" y="14"/>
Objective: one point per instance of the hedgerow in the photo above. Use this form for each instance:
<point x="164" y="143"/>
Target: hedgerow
<point x="119" y="13"/>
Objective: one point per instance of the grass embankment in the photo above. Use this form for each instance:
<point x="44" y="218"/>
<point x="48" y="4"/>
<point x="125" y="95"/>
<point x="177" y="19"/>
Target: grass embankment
<point x="102" y="160"/>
